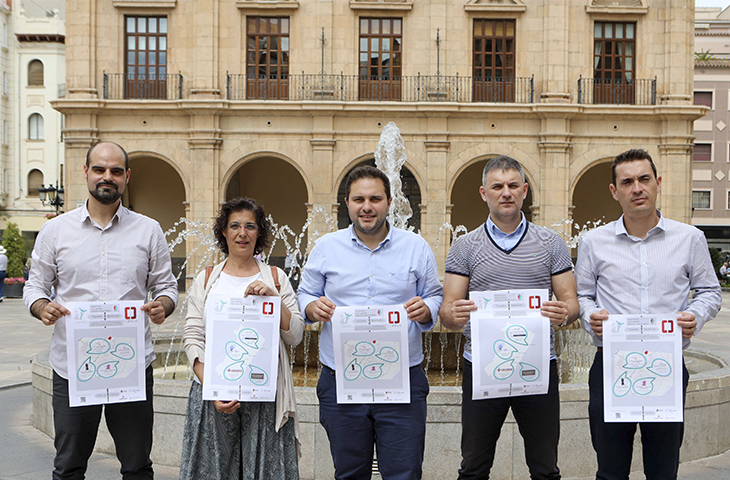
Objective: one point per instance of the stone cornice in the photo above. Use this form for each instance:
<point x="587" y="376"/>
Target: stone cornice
<point x="381" y="5"/>
<point x="482" y="6"/>
<point x="622" y="7"/>
<point x="267" y="5"/>
<point x="675" y="148"/>
<point x="144" y="4"/>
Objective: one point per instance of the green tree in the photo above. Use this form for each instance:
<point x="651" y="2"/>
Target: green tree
<point x="15" y="246"/>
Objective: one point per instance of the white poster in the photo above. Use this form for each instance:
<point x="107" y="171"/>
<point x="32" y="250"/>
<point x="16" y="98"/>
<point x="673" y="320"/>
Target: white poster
<point x="510" y="344"/>
<point x="105" y="348"/>
<point x="371" y="354"/>
<point x="642" y="368"/>
<point x="241" y="348"/>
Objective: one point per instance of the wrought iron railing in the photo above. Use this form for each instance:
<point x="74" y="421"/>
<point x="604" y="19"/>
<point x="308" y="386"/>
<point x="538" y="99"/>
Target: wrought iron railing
<point x="129" y="86"/>
<point x="617" y="91"/>
<point x="349" y="88"/>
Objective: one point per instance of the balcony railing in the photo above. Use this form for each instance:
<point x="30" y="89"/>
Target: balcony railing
<point x="350" y="88"/>
<point x="129" y="86"/>
<point x="617" y="91"/>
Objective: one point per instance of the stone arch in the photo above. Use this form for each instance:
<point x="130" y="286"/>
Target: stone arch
<point x="286" y="197"/>
<point x="589" y="194"/>
<point x="146" y="190"/>
<point x="413" y="188"/>
<point x="252" y="156"/>
<point x="467" y="207"/>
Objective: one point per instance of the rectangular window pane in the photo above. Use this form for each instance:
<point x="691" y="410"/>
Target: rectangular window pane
<point x="142" y="43"/>
<point x="153" y="43"/>
<point x="478" y="28"/>
<point x="130" y="25"/>
<point x="285" y="26"/>
<point x="702" y="152"/>
<point x="630" y="30"/>
<point x="598" y="30"/>
<point x="701" y="199"/>
<point x="152" y="25"/>
<point x="130" y="43"/>
<point x="619" y="30"/>
<point x="285" y="44"/>
<point x="163" y="43"/>
<point x="142" y="25"/>
<point x="364" y="26"/>
<point x="703" y="98"/>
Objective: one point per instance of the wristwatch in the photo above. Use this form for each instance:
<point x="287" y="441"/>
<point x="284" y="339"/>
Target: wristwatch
<point x="565" y="322"/>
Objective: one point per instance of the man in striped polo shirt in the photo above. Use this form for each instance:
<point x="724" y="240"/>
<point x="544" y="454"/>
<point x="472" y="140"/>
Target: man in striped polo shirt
<point x="641" y="263"/>
<point x="508" y="252"/>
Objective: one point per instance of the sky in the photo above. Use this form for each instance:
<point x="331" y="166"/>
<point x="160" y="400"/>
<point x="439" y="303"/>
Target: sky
<point x="712" y="3"/>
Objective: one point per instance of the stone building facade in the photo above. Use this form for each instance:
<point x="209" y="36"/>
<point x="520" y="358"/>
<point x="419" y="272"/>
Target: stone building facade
<point x="280" y="99"/>
<point x="32" y="64"/>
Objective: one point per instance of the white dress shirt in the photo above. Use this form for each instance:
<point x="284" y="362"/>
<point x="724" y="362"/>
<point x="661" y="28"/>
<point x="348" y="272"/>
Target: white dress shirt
<point x="629" y="275"/>
<point x="86" y="262"/>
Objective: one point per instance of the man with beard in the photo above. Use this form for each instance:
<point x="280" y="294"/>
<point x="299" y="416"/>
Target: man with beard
<point x="100" y="252"/>
<point x="372" y="263"/>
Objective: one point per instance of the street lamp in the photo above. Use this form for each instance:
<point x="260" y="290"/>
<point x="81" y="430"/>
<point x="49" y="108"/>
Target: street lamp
<point x="51" y="196"/>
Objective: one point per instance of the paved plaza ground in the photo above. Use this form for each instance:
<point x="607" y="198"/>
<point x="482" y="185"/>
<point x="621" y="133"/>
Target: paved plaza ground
<point x="27" y="454"/>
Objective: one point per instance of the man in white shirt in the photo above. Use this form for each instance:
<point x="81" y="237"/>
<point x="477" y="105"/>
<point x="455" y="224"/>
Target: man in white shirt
<point x="3" y="271"/>
<point x="643" y="263"/>
<point x="100" y="252"/>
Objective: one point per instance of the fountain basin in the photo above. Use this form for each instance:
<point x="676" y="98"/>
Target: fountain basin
<point x="707" y="424"/>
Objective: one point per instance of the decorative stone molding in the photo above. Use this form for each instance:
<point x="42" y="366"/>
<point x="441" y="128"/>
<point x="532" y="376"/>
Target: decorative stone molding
<point x="675" y="148"/>
<point x="323" y="144"/>
<point x="267" y="5"/>
<point x="437" y="146"/>
<point x="489" y="6"/>
<point x="635" y="7"/>
<point x="136" y="4"/>
<point x="381" y="4"/>
<point x="555" y="97"/>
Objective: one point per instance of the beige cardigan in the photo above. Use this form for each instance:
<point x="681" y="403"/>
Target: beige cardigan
<point x="194" y="335"/>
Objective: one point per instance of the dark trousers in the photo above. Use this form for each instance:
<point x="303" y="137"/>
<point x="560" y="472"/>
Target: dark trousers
<point x="398" y="430"/>
<point x="537" y="416"/>
<point x="130" y="425"/>
<point x="614" y="442"/>
<point x="2" y="284"/>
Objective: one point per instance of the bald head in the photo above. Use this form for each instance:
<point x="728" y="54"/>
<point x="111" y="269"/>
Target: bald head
<point x="106" y="149"/>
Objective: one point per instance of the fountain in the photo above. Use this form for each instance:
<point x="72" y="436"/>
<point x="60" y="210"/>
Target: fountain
<point x="442" y="351"/>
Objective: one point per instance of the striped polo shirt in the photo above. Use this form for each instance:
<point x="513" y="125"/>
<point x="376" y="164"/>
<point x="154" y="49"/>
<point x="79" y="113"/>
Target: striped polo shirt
<point x="540" y="254"/>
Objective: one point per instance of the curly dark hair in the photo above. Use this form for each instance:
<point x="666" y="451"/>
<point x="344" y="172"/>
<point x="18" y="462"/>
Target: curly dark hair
<point x="237" y="205"/>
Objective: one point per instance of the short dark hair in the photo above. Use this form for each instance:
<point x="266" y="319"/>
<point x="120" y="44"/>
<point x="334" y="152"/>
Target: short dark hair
<point x="91" y="148"/>
<point x="237" y="205"/>
<point x="366" y="171"/>
<point x="503" y="163"/>
<point x="631" y="156"/>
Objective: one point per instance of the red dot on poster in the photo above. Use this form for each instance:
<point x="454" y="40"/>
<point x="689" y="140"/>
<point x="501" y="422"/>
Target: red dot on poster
<point x="110" y="338"/>
<point x="646" y="353"/>
<point x="373" y="341"/>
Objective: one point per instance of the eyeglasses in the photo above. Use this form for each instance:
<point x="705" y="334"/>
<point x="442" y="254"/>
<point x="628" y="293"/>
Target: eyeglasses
<point x="250" y="227"/>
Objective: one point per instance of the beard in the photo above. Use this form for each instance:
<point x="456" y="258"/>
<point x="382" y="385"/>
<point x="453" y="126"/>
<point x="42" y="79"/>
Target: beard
<point x="106" y="196"/>
<point x="368" y="230"/>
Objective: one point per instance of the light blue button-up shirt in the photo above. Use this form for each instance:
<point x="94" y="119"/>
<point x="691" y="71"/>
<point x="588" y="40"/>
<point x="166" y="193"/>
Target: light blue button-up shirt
<point x="506" y="241"/>
<point x="630" y="275"/>
<point x="343" y="269"/>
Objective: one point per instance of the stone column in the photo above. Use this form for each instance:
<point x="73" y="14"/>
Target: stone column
<point x="437" y="149"/>
<point x="554" y="148"/>
<point x="207" y="193"/>
<point x="556" y="39"/>
<point x="674" y="166"/>
<point x="321" y="173"/>
<point x="81" y="49"/>
<point x="206" y="30"/>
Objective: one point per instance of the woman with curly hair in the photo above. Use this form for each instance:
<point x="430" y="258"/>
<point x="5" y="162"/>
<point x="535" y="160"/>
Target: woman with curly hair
<point x="227" y="439"/>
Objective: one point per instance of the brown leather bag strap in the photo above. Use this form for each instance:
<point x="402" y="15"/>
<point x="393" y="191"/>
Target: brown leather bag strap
<point x="275" y="274"/>
<point x="208" y="271"/>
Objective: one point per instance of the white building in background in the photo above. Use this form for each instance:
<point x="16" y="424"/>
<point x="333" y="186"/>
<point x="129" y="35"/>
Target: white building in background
<point x="33" y="75"/>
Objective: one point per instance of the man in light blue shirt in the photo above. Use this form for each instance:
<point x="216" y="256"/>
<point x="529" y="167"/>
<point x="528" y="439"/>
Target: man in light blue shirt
<point x="371" y="263"/>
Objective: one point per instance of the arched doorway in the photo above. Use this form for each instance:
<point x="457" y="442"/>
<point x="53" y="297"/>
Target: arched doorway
<point x="592" y="199"/>
<point x="411" y="191"/>
<point x="281" y="189"/>
<point x="155" y="189"/>
<point x="468" y="207"/>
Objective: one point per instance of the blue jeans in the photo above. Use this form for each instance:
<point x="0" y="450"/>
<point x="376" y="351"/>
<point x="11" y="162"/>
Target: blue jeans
<point x="613" y="442"/>
<point x="398" y="431"/>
